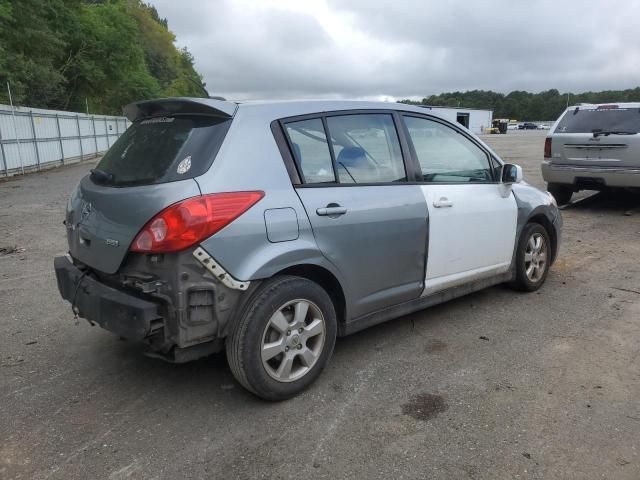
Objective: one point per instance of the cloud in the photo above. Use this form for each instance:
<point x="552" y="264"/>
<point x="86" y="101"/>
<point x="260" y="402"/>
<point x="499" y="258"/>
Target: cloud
<point x="372" y="48"/>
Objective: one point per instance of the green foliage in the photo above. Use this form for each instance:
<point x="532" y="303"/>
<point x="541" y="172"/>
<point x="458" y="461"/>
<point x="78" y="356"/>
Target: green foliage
<point x="5" y="19"/>
<point x="67" y="53"/>
<point x="31" y="49"/>
<point x="520" y="105"/>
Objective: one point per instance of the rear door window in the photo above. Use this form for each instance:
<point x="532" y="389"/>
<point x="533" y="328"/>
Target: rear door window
<point x="600" y="119"/>
<point x="162" y="149"/>
<point x="366" y="148"/>
<point x="311" y="150"/>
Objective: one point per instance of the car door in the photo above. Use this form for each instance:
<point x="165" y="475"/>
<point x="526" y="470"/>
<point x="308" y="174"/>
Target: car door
<point x="472" y="216"/>
<point x="366" y="219"/>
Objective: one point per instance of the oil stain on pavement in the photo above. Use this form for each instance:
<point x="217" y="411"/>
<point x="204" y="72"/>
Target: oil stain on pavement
<point x="424" y="406"/>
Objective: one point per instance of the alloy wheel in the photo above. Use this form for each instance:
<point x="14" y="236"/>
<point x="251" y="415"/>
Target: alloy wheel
<point x="293" y="340"/>
<point x="535" y="257"/>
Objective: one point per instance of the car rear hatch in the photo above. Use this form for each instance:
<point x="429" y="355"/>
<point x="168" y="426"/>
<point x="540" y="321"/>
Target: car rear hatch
<point x="152" y="165"/>
<point x="598" y="136"/>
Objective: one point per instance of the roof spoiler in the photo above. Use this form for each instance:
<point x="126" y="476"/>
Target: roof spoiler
<point x="179" y="105"/>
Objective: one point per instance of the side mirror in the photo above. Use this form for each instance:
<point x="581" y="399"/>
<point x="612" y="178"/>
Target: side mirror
<point x="511" y="173"/>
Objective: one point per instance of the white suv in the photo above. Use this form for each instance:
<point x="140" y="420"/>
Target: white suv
<point x="593" y="147"/>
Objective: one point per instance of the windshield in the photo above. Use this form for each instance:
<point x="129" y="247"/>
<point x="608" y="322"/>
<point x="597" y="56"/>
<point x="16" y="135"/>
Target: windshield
<point x="162" y="149"/>
<point x="609" y="119"/>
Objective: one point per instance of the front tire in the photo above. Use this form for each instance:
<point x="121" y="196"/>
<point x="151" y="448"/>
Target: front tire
<point x="284" y="338"/>
<point x="562" y="193"/>
<point x="533" y="258"/>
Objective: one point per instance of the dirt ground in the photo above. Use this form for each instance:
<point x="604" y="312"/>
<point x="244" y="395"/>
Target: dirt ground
<point x="496" y="385"/>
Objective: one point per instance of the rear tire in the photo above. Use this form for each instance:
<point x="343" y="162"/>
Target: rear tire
<point x="284" y="338"/>
<point x="562" y="193"/>
<point x="533" y="258"/>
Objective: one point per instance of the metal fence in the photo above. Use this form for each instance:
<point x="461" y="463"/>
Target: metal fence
<point x="33" y="139"/>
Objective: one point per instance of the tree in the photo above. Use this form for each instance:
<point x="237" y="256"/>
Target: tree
<point x="31" y="50"/>
<point x="107" y="53"/>
<point x="521" y="105"/>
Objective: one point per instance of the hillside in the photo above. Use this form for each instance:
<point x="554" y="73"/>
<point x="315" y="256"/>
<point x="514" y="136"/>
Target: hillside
<point x="65" y="54"/>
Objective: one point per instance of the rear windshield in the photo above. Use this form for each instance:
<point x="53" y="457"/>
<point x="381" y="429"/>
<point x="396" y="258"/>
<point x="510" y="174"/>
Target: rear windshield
<point x="162" y="149"/>
<point x="604" y="119"/>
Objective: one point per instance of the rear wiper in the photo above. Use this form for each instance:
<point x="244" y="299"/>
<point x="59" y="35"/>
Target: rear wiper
<point x="101" y="176"/>
<point x="598" y="132"/>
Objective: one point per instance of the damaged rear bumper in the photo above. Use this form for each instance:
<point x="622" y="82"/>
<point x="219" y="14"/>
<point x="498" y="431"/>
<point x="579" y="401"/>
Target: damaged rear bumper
<point x="181" y="305"/>
<point x="123" y="314"/>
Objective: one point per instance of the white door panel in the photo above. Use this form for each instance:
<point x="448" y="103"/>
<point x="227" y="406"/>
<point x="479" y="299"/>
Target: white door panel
<point x="472" y="230"/>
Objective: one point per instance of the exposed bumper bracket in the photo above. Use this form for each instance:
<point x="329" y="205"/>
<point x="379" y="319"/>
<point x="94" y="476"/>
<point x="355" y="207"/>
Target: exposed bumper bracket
<point x="115" y="310"/>
<point x="216" y="269"/>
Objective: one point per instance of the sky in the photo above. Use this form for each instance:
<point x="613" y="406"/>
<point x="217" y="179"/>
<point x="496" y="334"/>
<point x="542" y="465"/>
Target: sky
<point x="395" y="49"/>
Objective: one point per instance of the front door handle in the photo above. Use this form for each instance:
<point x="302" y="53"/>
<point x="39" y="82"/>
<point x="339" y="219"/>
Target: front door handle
<point x="444" y="202"/>
<point x="331" y="210"/>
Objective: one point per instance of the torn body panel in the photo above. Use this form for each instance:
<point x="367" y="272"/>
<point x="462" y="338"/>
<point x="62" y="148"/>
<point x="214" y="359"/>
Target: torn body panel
<point x="190" y="305"/>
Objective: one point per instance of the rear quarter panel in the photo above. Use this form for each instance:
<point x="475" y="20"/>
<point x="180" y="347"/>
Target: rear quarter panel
<point x="249" y="159"/>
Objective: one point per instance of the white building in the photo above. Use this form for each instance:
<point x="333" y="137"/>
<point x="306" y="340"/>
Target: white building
<point x="475" y="120"/>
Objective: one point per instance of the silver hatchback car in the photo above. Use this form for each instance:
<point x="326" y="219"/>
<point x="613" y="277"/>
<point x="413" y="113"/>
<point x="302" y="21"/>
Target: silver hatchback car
<point x="269" y="229"/>
<point x="593" y="147"/>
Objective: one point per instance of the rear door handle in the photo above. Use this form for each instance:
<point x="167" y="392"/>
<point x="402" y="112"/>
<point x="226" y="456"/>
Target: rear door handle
<point x="444" y="202"/>
<point x="331" y="211"/>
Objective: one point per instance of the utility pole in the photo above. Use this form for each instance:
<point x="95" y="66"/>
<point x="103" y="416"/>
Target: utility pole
<point x="15" y="129"/>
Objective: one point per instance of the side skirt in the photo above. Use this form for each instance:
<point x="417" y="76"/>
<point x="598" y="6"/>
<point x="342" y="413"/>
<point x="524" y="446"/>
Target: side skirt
<point x="421" y="303"/>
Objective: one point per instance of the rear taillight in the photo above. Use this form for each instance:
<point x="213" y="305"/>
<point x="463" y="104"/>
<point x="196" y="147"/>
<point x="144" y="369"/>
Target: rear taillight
<point x="190" y="221"/>
<point x="547" y="147"/>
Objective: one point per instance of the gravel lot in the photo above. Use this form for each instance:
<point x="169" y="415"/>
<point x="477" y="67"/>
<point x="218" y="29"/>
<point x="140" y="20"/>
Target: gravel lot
<point x="496" y="385"/>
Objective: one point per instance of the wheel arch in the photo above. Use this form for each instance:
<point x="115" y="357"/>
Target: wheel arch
<point x="329" y="282"/>
<point x="535" y="206"/>
<point x="542" y="219"/>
